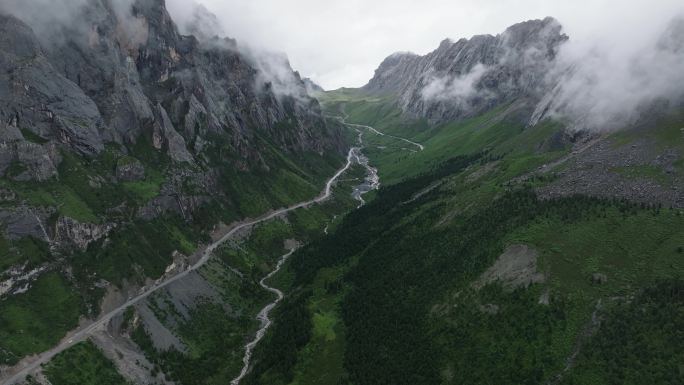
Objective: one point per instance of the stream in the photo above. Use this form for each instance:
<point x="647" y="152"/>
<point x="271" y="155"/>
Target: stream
<point x="370" y="182"/>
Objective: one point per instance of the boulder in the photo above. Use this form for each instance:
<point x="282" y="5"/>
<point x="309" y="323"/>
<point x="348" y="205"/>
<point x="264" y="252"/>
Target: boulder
<point x="129" y="169"/>
<point x="599" y="278"/>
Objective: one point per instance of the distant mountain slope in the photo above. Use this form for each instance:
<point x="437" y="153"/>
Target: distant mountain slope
<point x="509" y="250"/>
<point x="470" y="76"/>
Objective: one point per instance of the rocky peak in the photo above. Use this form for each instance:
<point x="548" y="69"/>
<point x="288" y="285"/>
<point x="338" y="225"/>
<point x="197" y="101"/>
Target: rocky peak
<point x="534" y="33"/>
<point x="118" y="71"/>
<point x="388" y="75"/>
<point x="312" y="88"/>
<point x="468" y="76"/>
<point x="16" y="39"/>
<point x="203" y="24"/>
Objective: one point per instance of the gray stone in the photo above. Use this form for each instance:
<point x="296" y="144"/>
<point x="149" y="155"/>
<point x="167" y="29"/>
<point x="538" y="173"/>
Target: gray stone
<point x="25" y="221"/>
<point x="7" y="195"/>
<point x="35" y="96"/>
<point x="72" y="232"/>
<point x="599" y="278"/>
<point x="516" y="267"/>
<point x="129" y="169"/>
<point x="172" y="140"/>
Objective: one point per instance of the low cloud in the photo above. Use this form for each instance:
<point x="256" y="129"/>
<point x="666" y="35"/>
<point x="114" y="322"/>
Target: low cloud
<point x="47" y="18"/>
<point x="195" y="19"/>
<point x="605" y="84"/>
<point x="57" y="21"/>
<point x="132" y="30"/>
<point x="273" y="68"/>
<point x="455" y="89"/>
<point x="274" y="72"/>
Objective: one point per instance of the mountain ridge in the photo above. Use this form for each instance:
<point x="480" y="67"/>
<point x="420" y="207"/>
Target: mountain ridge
<point x="469" y="76"/>
<point x="495" y="250"/>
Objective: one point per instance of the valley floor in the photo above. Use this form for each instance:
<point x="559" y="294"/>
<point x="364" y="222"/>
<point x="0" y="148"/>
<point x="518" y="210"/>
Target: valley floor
<point x="486" y="257"/>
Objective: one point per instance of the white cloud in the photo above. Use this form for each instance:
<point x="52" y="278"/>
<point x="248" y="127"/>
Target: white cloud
<point x="341" y="43"/>
<point x="455" y="89"/>
<point x="46" y="17"/>
<point x="605" y="82"/>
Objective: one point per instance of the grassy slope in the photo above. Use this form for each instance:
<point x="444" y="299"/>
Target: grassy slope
<point x="525" y="342"/>
<point x="34" y="321"/>
<point x="136" y="249"/>
<point x="215" y="333"/>
<point x="492" y="132"/>
<point x="83" y="364"/>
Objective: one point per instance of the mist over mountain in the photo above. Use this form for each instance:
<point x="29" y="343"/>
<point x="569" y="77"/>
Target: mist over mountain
<point x="179" y="206"/>
<point x="601" y="87"/>
<point x="464" y="78"/>
<point x="595" y="87"/>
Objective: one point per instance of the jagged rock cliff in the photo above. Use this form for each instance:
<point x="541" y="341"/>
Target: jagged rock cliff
<point x="119" y="75"/>
<point x="467" y="77"/>
<point x="312" y="87"/>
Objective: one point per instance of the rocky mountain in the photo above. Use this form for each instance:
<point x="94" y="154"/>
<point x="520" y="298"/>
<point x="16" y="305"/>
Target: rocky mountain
<point x="505" y="245"/>
<point x="467" y="77"/>
<point x="124" y="143"/>
<point x="312" y="87"/>
<point x="503" y="250"/>
<point x="124" y="78"/>
<point x="534" y="67"/>
<point x="117" y="76"/>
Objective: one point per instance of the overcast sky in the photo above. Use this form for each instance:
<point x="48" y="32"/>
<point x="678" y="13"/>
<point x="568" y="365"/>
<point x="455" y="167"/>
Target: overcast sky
<point x="340" y="43"/>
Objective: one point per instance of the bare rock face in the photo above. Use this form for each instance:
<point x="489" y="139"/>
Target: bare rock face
<point x="118" y="74"/>
<point x="21" y="159"/>
<point x="72" y="232"/>
<point x="36" y="97"/>
<point x="25" y="221"/>
<point x="465" y="78"/>
<point x="24" y="161"/>
<point x="168" y="137"/>
<point x="516" y="267"/>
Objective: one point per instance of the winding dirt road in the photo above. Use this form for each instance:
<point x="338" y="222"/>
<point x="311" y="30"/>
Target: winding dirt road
<point x="19" y="372"/>
<point x="343" y="120"/>
<point x="376" y="132"/>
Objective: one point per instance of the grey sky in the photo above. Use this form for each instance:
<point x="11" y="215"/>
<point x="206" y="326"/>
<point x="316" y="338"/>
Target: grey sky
<point x="340" y="43"/>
